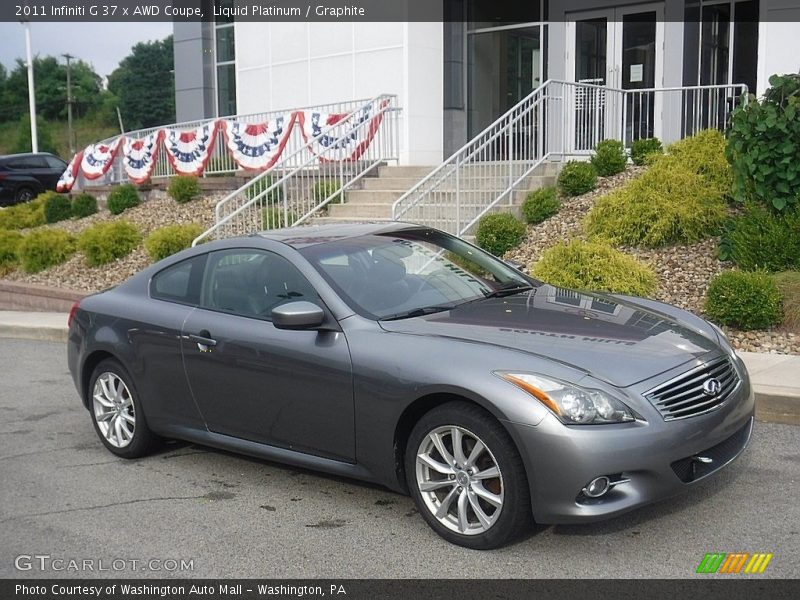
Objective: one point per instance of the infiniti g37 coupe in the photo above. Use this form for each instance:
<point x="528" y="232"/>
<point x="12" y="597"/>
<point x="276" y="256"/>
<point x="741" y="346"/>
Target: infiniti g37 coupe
<point x="401" y="355"/>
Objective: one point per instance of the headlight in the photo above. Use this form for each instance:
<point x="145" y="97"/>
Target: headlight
<point x="725" y="341"/>
<point x="571" y="404"/>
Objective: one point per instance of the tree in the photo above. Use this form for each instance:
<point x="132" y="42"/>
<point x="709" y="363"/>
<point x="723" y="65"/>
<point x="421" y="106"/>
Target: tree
<point x="145" y="85"/>
<point x="44" y="134"/>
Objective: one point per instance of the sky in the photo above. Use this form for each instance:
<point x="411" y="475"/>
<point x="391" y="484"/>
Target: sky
<point x="109" y="42"/>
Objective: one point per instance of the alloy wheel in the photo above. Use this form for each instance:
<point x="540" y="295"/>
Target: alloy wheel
<point x="114" y="410"/>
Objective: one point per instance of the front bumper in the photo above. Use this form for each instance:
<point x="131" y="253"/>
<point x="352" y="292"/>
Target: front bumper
<point x="655" y="456"/>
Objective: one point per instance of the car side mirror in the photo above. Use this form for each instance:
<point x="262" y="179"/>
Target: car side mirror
<point x="298" y="315"/>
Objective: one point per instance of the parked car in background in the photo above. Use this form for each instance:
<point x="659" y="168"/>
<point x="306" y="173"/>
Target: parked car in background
<point x="25" y="176"/>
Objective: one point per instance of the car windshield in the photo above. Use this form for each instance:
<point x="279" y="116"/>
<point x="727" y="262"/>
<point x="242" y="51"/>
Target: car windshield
<point x="411" y="273"/>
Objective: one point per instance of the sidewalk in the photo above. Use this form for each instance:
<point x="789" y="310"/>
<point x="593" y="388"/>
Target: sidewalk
<point x="775" y="377"/>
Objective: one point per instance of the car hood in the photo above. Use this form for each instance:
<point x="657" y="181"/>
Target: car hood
<point x="615" y="340"/>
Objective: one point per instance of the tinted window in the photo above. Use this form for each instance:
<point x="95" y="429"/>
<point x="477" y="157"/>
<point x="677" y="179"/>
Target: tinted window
<point x="55" y="163"/>
<point x="27" y="162"/>
<point x="180" y="282"/>
<point x="251" y="283"/>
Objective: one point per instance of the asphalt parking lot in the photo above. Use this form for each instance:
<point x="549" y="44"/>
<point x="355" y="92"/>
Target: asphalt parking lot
<point x="63" y="495"/>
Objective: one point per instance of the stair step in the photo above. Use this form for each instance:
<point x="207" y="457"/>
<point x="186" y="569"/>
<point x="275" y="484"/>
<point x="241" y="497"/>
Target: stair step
<point x="360" y="210"/>
<point x="389" y="183"/>
<point x="323" y="220"/>
<point x="414" y="172"/>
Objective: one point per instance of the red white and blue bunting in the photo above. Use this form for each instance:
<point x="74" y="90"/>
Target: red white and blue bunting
<point x="188" y="151"/>
<point x="67" y="179"/>
<point x="139" y="156"/>
<point x="258" y="146"/>
<point x="338" y="137"/>
<point x="97" y="158"/>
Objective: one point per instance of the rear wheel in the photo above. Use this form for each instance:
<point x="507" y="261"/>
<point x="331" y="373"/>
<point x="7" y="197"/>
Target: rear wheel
<point x="467" y="478"/>
<point x="117" y="412"/>
<point x="24" y="194"/>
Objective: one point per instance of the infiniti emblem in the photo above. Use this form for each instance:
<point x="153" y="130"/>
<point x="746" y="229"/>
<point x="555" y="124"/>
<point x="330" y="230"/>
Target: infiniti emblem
<point x="712" y="387"/>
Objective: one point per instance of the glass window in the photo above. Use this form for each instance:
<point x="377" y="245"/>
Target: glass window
<point x="27" y="162"/>
<point x="225" y="44"/>
<point x="180" y="282"/>
<point x="251" y="283"/>
<point x="226" y="90"/>
<point x="55" y="163"/>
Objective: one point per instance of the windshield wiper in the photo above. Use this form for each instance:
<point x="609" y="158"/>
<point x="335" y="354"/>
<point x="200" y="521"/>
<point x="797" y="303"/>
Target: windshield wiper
<point x="509" y="288"/>
<point x="418" y="312"/>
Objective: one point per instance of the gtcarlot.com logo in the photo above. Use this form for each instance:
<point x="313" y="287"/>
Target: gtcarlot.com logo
<point x="736" y="562"/>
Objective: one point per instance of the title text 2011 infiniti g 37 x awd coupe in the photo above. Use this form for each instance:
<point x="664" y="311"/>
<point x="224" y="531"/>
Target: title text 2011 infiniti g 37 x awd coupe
<point x="404" y="356"/>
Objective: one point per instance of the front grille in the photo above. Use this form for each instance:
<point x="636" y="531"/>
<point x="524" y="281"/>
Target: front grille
<point x="684" y="396"/>
<point x="691" y="468"/>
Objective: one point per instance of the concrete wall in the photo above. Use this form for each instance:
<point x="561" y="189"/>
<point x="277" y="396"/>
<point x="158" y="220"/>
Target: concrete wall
<point x="778" y="40"/>
<point x="290" y="65"/>
<point x="194" y="71"/>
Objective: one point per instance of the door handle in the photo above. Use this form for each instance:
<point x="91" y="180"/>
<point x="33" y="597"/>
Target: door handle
<point x="204" y="341"/>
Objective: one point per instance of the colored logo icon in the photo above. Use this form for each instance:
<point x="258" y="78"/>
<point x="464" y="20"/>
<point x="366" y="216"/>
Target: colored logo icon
<point x="737" y="562"/>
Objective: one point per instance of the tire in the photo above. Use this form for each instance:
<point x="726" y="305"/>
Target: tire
<point x="116" y="411"/>
<point x="24" y="194"/>
<point x="465" y="487"/>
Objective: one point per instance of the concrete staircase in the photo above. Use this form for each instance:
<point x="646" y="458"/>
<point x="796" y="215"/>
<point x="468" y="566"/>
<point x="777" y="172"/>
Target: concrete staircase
<point x="373" y="197"/>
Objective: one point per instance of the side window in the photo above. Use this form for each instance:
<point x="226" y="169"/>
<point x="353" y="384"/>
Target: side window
<point x="55" y="163"/>
<point x="251" y="283"/>
<point x="28" y="162"/>
<point x="180" y="282"/>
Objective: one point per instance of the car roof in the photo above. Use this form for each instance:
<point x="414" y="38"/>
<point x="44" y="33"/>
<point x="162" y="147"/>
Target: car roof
<point x="312" y="235"/>
<point x="26" y="154"/>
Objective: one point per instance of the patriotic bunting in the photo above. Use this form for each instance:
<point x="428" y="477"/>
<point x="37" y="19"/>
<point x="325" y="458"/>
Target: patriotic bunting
<point x="68" y="177"/>
<point x="139" y="156"/>
<point x="188" y="151"/>
<point x="258" y="146"/>
<point x="97" y="159"/>
<point x="349" y="140"/>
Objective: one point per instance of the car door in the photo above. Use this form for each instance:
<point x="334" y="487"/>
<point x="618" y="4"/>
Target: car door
<point x="55" y="168"/>
<point x="292" y="389"/>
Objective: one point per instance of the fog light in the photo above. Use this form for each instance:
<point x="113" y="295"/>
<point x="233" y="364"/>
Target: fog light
<point x="597" y="487"/>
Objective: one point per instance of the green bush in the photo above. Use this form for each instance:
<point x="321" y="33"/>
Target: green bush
<point x="23" y="216"/>
<point x="594" y="266"/>
<point x="764" y="146"/>
<point x="576" y="178"/>
<point x="106" y="242"/>
<point x="9" y="246"/>
<point x="641" y="149"/>
<point x="667" y="204"/>
<point x="275" y="195"/>
<point x="499" y="233"/>
<point x="45" y="248"/>
<point x="540" y="204"/>
<point x="84" y="205"/>
<point x="760" y="239"/>
<point x="168" y="240"/>
<point x="56" y="207"/>
<point x="184" y="188"/>
<point x="744" y="300"/>
<point x="609" y="158"/>
<point x="272" y="217"/>
<point x="789" y="286"/>
<point x="122" y="198"/>
<point x="323" y="189"/>
<point x="703" y="154"/>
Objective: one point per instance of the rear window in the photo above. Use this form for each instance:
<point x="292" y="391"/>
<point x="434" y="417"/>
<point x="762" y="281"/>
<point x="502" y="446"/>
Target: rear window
<point x="180" y="282"/>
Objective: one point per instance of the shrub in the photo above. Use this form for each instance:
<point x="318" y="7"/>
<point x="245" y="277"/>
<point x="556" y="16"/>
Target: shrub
<point x="576" y="178"/>
<point x="84" y="205"/>
<point x="9" y="245"/>
<point x="764" y="143"/>
<point x="323" y="189"/>
<point x="703" y="154"/>
<point x="22" y="216"/>
<point x="499" y="233"/>
<point x="760" y="239"/>
<point x="609" y="158"/>
<point x="641" y="149"/>
<point x="184" y="188"/>
<point x="43" y="249"/>
<point x="272" y="217"/>
<point x="594" y="266"/>
<point x="789" y="286"/>
<point x="666" y="204"/>
<point x="122" y="198"/>
<point x="56" y="207"/>
<point x="168" y="240"/>
<point x="744" y="300"/>
<point x="106" y="242"/>
<point x="540" y="204"/>
<point x="275" y="195"/>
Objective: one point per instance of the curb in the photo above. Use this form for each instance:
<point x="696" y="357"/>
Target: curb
<point x="41" y="334"/>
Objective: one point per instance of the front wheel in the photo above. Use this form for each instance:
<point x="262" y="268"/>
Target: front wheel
<point x="117" y="413"/>
<point x="467" y="478"/>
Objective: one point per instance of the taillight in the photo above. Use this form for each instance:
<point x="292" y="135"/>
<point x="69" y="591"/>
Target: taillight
<point x="72" y="312"/>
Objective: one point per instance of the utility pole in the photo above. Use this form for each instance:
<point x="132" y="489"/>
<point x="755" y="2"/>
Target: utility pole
<point x="31" y="90"/>
<point x="69" y="57"/>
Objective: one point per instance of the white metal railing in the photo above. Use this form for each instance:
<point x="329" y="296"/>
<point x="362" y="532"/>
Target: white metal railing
<point x="556" y="121"/>
<point x="220" y="162"/>
<point x="303" y="182"/>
